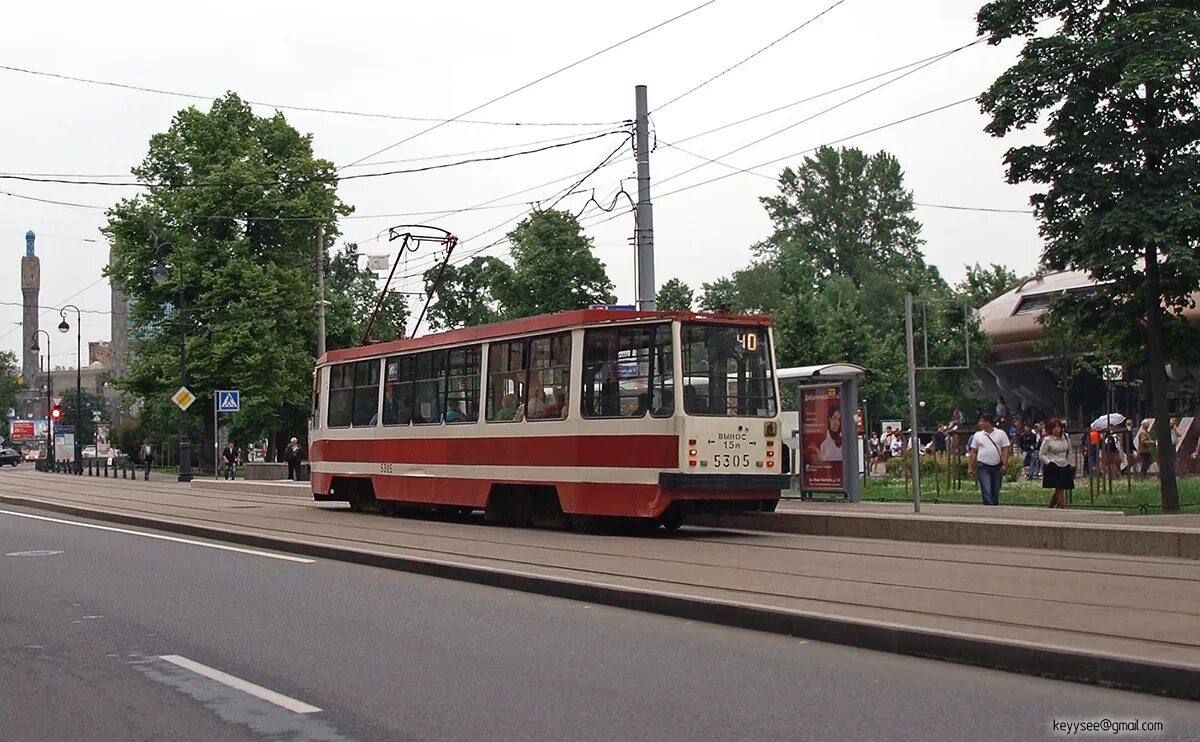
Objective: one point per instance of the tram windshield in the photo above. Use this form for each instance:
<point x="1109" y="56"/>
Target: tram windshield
<point x="727" y="371"/>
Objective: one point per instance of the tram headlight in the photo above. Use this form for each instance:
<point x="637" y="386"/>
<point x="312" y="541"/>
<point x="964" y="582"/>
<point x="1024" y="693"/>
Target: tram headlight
<point x="771" y="428"/>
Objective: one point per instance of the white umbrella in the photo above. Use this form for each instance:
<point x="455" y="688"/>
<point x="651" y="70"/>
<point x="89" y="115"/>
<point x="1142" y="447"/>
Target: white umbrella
<point x="1111" y="420"/>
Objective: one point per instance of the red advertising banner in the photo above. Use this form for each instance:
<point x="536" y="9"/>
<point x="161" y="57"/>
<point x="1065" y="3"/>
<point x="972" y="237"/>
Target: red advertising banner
<point x="821" y="436"/>
<point x="22" y="430"/>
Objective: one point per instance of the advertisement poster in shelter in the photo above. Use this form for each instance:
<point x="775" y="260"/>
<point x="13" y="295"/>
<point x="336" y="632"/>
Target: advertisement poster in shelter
<point x="821" y="430"/>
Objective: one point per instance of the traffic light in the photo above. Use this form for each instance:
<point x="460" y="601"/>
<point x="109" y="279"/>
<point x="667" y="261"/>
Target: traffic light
<point x="56" y="413"/>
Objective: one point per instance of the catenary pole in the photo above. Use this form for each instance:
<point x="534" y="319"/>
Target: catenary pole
<point x="320" y="290"/>
<point x="644" y="214"/>
<point x="914" y="444"/>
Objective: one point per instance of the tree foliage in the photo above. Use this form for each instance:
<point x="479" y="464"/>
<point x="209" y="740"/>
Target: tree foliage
<point x="9" y="371"/>
<point x="981" y="284"/>
<point x="675" y="296"/>
<point x="844" y="252"/>
<point x="553" y="268"/>
<point x="352" y="292"/>
<point x="85" y="433"/>
<point x="466" y="295"/>
<point x="1118" y="85"/>
<point x="231" y="215"/>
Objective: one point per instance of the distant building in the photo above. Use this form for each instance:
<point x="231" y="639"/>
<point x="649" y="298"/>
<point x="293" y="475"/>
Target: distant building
<point x="1016" y="370"/>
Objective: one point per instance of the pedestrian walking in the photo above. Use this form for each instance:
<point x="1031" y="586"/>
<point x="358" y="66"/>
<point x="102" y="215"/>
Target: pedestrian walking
<point x="1144" y="444"/>
<point x="1057" y="472"/>
<point x="1029" y="451"/>
<point x="229" y="458"/>
<point x="146" y="452"/>
<point x="293" y="455"/>
<point x="988" y="458"/>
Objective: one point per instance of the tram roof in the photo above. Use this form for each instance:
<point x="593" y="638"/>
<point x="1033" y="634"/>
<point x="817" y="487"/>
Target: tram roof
<point x="537" y="325"/>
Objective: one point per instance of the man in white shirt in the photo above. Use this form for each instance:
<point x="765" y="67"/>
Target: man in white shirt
<point x="988" y="458"/>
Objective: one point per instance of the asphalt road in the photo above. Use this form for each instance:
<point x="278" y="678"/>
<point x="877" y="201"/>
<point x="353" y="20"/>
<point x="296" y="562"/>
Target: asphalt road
<point x="101" y="631"/>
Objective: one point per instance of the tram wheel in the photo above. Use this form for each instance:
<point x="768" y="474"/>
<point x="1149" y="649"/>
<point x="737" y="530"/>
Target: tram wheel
<point x="583" y="523"/>
<point x="671" y="519"/>
<point x="357" y="501"/>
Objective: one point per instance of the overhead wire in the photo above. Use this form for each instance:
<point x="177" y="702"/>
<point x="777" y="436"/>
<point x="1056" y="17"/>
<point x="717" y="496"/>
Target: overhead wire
<point x="541" y="79"/>
<point x="323" y="180"/>
<point x="290" y="107"/>
<point x="733" y="67"/>
<point x="824" y="111"/>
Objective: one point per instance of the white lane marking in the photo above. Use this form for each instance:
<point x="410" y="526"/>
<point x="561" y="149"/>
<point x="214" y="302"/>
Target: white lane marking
<point x="245" y="686"/>
<point x="160" y="537"/>
<point x="34" y="552"/>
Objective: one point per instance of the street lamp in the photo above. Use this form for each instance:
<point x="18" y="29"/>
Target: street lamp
<point x="49" y="389"/>
<point x="161" y="276"/>
<point x="64" y="328"/>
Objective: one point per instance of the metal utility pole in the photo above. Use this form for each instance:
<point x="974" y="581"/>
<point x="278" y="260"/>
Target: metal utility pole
<point x="320" y="290"/>
<point x="914" y="446"/>
<point x="644" y="216"/>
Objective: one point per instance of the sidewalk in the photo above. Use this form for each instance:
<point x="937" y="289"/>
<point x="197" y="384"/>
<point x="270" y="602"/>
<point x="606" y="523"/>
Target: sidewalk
<point x="1126" y="621"/>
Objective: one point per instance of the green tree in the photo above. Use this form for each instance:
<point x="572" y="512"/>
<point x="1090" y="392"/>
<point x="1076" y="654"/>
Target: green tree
<point x="1117" y="86"/>
<point x="352" y="292"/>
<point x="844" y="252"/>
<point x="843" y="212"/>
<point x="9" y="371"/>
<point x="721" y="294"/>
<point x="981" y="284"/>
<point x="675" y="296"/>
<point x="85" y="434"/>
<point x="230" y="214"/>
<point x="553" y="268"/>
<point x="466" y="294"/>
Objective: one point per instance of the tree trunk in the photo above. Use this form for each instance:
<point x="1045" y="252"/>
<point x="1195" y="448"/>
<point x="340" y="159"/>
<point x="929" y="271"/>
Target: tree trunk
<point x="1158" y="383"/>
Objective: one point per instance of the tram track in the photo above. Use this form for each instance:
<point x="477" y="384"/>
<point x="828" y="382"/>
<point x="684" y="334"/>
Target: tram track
<point x="727" y="585"/>
<point x="509" y="538"/>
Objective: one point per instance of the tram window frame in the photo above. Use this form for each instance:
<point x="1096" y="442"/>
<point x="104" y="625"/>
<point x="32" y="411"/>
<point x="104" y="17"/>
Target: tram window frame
<point x="508" y="363"/>
<point x="340" y="410"/>
<point x="462" y="383"/>
<point x="642" y="345"/>
<point x="701" y="344"/>
<point x="558" y="367"/>
<point x="429" y="385"/>
<point x="400" y="385"/>
<point x="366" y="385"/>
<point x="316" y="399"/>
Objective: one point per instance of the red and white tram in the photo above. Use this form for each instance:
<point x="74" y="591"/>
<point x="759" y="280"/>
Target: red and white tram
<point x="593" y="412"/>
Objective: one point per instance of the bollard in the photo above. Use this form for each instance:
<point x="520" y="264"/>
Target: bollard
<point x="124" y="470"/>
<point x="106" y="469"/>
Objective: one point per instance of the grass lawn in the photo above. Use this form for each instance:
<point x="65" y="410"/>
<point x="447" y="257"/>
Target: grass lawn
<point x="1140" y="496"/>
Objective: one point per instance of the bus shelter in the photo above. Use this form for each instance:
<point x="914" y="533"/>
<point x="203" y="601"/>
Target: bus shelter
<point x="824" y="430"/>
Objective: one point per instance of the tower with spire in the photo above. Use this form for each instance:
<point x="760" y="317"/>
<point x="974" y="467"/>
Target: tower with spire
<point x="31" y="283"/>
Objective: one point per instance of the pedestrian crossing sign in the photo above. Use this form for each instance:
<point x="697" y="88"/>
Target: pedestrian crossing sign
<point x="229" y="400"/>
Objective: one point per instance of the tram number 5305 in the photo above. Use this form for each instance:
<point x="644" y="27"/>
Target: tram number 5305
<point x="731" y="461"/>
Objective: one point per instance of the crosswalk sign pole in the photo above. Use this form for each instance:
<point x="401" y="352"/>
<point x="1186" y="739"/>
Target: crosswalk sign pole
<point x="216" y="438"/>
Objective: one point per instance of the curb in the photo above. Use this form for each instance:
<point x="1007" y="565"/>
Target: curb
<point x="1060" y="663"/>
<point x="1100" y="539"/>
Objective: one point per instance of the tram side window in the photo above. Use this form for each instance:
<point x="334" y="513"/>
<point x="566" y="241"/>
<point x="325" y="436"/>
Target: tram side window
<point x="366" y="393"/>
<point x="398" y="390"/>
<point x="316" y="398"/>
<point x="506" y="381"/>
<point x="549" y="391"/>
<point x="626" y="373"/>
<point x="430" y="380"/>
<point x="462" y="385"/>
<point x="341" y="395"/>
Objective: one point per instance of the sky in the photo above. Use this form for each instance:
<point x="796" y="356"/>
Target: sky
<point x="440" y="60"/>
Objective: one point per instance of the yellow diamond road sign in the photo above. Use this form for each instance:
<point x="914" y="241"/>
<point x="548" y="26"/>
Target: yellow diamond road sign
<point x="183" y="398"/>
